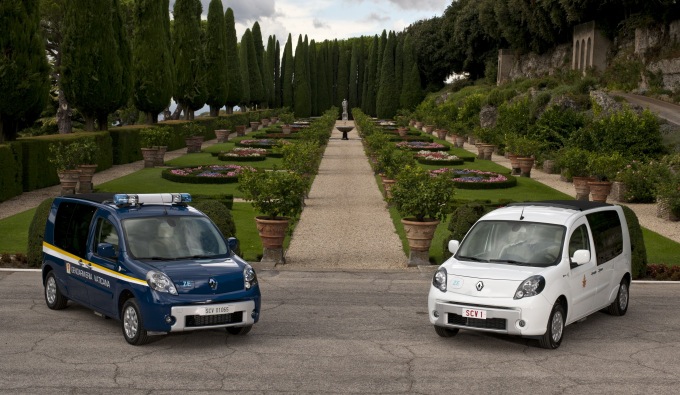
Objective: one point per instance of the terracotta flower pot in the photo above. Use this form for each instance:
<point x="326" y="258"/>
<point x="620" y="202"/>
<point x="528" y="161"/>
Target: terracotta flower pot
<point x="160" y="155"/>
<point x="480" y="150"/>
<point x="240" y="130"/>
<point x="68" y="180"/>
<point x="222" y="135"/>
<point x="85" y="178"/>
<point x="599" y="190"/>
<point x="149" y="155"/>
<point x="286" y="129"/>
<point x="272" y="233"/>
<point x="488" y="151"/>
<point x="419" y="125"/>
<point x="254" y="126"/>
<point x="441" y="134"/>
<point x="525" y="165"/>
<point x="460" y="141"/>
<point x="514" y="164"/>
<point x="582" y="188"/>
<point x="194" y="144"/>
<point x="419" y="235"/>
<point x="402" y="131"/>
<point x="264" y="122"/>
<point x="429" y="129"/>
<point x="387" y="184"/>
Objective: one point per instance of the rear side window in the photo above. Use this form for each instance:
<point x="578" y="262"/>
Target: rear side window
<point x="71" y="227"/>
<point x="606" y="228"/>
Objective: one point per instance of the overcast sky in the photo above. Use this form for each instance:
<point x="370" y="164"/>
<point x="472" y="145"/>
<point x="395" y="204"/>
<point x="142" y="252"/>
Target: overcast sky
<point x="327" y="19"/>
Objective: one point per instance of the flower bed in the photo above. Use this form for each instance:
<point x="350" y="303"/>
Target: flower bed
<point x="422" y="145"/>
<point x="415" y="137"/>
<point x="261" y="143"/>
<point x="478" y="179"/>
<point x="244" y="154"/>
<point x="206" y="174"/>
<point x="437" y="158"/>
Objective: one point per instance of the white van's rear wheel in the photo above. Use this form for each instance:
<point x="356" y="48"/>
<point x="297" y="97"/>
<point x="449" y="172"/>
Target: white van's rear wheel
<point x="620" y="305"/>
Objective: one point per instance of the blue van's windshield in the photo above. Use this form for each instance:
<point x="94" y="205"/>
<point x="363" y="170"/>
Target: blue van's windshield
<point x="173" y="238"/>
<point x="513" y="242"/>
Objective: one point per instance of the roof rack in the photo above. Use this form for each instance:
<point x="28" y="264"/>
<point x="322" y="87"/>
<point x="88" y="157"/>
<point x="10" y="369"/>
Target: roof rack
<point x="578" y="205"/>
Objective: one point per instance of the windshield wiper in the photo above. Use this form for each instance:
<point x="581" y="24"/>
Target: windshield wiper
<point x="195" y="257"/>
<point x="472" y="258"/>
<point x="155" y="258"/>
<point x="513" y="262"/>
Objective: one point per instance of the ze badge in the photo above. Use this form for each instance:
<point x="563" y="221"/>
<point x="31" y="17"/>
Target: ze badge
<point x="456" y="283"/>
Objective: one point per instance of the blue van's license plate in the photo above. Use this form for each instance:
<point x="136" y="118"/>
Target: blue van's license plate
<point x="217" y="310"/>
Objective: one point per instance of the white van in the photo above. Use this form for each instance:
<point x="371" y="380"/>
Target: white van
<point x="532" y="268"/>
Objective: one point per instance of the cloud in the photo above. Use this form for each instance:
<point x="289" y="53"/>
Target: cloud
<point x="244" y="11"/>
<point x="319" y="24"/>
<point x="375" y="17"/>
<point x="408" y="4"/>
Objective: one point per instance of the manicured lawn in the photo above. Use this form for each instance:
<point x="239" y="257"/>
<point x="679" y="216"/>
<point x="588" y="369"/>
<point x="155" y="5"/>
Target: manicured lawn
<point x="14" y="231"/>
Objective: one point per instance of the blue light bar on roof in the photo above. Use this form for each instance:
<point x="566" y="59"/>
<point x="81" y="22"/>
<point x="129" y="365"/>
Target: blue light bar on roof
<point x="151" y="198"/>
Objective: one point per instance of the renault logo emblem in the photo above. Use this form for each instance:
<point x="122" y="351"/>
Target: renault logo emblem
<point x="212" y="283"/>
<point x="479" y="285"/>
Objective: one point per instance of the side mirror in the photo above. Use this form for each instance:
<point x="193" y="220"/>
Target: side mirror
<point x="453" y="246"/>
<point x="232" y="242"/>
<point x="581" y="257"/>
<point x="106" y="250"/>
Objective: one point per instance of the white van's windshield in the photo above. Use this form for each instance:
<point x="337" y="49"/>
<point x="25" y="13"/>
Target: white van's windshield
<point x="513" y="242"/>
<point x="173" y="238"/>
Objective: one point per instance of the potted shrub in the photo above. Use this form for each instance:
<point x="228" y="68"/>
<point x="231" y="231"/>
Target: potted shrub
<point x="278" y="196"/>
<point x="574" y="162"/>
<point x="87" y="151"/>
<point x="193" y="136"/>
<point x="423" y="200"/>
<point x="63" y="157"/>
<point x="391" y="161"/>
<point x="154" y="143"/>
<point x="222" y="131"/>
<point x="603" y="168"/>
<point x="287" y="118"/>
<point x="526" y="149"/>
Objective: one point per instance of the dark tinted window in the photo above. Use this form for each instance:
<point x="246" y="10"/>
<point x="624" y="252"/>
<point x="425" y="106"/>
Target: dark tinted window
<point x="71" y="227"/>
<point x="579" y="240"/>
<point x="106" y="233"/>
<point x="606" y="228"/>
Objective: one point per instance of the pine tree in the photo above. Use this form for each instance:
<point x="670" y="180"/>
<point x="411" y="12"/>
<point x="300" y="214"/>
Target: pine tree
<point x="233" y="70"/>
<point x="411" y="91"/>
<point x="302" y="103"/>
<point x="369" y="95"/>
<point x="92" y="78"/>
<point x="152" y="59"/>
<point x="287" y="69"/>
<point x="24" y="83"/>
<point x="387" y="102"/>
<point x="216" y="58"/>
<point x="258" y="45"/>
<point x="190" y="89"/>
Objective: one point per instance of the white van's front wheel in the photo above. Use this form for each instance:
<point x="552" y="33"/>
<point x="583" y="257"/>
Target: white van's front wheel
<point x="553" y="333"/>
<point x="620" y="305"/>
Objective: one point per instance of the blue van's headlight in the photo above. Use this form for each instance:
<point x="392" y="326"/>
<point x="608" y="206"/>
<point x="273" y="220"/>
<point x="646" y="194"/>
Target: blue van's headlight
<point x="160" y="282"/>
<point x="249" y="277"/>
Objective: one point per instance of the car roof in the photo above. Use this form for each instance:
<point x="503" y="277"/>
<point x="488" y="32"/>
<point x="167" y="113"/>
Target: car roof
<point x="105" y="200"/>
<point x="558" y="212"/>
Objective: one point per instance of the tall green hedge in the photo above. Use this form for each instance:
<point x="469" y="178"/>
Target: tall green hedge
<point x="10" y="171"/>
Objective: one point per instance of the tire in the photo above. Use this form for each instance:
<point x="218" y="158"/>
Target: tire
<point x="445" y="332"/>
<point x="620" y="305"/>
<point x="54" y="299"/>
<point x="239" y="330"/>
<point x="133" y="324"/>
<point x="555" y="329"/>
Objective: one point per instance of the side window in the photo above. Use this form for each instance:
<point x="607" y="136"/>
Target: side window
<point x="72" y="226"/>
<point x="579" y="240"/>
<point x="106" y="233"/>
<point x="606" y="227"/>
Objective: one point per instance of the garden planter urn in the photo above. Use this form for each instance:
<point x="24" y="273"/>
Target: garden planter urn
<point x="264" y="122"/>
<point x="160" y="155"/>
<point x="402" y="131"/>
<point x="599" y="190"/>
<point x="582" y="188"/>
<point x="525" y="165"/>
<point x="85" y="178"/>
<point x="419" y="235"/>
<point x="240" y="130"/>
<point x="194" y="144"/>
<point x="254" y="126"/>
<point x="149" y="155"/>
<point x="460" y="141"/>
<point x="222" y="135"/>
<point x="387" y="185"/>
<point x="488" y="151"/>
<point x="272" y="233"/>
<point x="441" y="134"/>
<point x="429" y="129"/>
<point x="514" y="164"/>
<point x="68" y="180"/>
<point x="286" y="129"/>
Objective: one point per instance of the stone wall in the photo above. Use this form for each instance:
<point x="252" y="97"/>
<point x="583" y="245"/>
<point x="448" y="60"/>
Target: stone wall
<point x="532" y="65"/>
<point x="654" y="38"/>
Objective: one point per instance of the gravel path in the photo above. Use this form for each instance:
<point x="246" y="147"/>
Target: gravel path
<point x="345" y="224"/>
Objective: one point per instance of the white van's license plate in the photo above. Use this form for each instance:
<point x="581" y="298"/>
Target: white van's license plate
<point x="473" y="313"/>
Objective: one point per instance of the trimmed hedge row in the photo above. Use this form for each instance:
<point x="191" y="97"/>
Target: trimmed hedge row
<point x="24" y="166"/>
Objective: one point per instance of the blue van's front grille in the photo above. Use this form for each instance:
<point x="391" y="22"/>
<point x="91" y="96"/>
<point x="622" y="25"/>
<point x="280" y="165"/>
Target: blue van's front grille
<point x="193" y="321"/>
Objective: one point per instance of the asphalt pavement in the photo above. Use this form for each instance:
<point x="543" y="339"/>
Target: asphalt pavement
<point x="330" y="332"/>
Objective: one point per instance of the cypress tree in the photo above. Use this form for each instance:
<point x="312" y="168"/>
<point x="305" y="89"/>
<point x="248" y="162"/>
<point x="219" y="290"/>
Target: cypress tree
<point x="258" y="44"/>
<point x="411" y="91"/>
<point x="381" y="50"/>
<point x="92" y="78"/>
<point x="353" y="96"/>
<point x="257" y="96"/>
<point x="330" y="77"/>
<point x="322" y="81"/>
<point x="122" y="35"/>
<point x="233" y="69"/>
<point x="152" y="65"/>
<point x="190" y="89"/>
<point x="277" y="75"/>
<point x="398" y="64"/>
<point x="369" y="96"/>
<point x="270" y="66"/>
<point x="287" y="69"/>
<point x="334" y="59"/>
<point x="301" y="89"/>
<point x="387" y="102"/>
<point x="361" y="70"/>
<point x="245" y="65"/>
<point x="216" y="58"/>
<point x="314" y="83"/>
<point x="24" y="83"/>
<point x="342" y="90"/>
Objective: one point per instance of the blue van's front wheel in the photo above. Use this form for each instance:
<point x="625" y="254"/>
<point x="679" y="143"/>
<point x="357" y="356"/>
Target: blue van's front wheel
<point x="133" y="325"/>
<point x="53" y="296"/>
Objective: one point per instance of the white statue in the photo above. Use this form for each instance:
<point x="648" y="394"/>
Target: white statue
<point x="344" y="110"/>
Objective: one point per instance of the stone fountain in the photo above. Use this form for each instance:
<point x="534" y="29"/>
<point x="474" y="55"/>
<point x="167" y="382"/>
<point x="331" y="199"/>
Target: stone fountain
<point x="344" y="129"/>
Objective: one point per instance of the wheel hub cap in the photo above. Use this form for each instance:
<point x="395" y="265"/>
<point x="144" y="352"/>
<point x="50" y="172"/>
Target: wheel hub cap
<point x="130" y="322"/>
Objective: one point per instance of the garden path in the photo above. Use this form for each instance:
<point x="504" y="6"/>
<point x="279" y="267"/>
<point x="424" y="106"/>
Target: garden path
<point x="345" y="223"/>
<point x="646" y="213"/>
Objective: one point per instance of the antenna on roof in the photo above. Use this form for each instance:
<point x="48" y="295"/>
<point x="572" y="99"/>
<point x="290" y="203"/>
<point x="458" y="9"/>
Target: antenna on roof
<point x="521" y="216"/>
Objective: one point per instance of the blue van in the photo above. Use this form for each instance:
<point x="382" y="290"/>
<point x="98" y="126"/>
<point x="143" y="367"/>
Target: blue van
<point x="150" y="261"/>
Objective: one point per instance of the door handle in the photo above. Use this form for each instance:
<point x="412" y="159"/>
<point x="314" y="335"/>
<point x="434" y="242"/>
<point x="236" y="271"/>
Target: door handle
<point x="600" y="269"/>
<point x="593" y="273"/>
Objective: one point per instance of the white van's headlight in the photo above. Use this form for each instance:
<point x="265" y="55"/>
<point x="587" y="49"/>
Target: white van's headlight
<point x="439" y="279"/>
<point x="160" y="282"/>
<point x="532" y="286"/>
